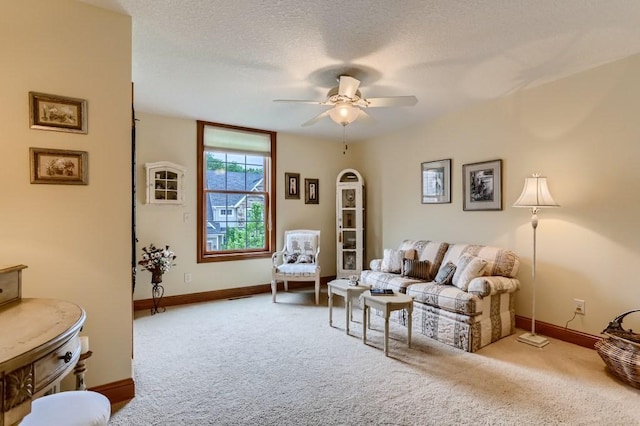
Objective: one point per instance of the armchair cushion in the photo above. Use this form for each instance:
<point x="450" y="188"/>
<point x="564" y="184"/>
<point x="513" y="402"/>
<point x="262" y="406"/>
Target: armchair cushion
<point x="301" y="242"/>
<point x="297" y="269"/>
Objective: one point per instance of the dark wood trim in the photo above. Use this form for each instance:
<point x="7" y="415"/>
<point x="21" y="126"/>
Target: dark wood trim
<point x="567" y="335"/>
<point x="207" y="296"/>
<point x="120" y="391"/>
<point x="550" y="330"/>
<point x="270" y="207"/>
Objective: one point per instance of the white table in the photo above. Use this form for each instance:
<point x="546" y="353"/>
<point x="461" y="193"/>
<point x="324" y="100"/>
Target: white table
<point x="386" y="304"/>
<point x="342" y="288"/>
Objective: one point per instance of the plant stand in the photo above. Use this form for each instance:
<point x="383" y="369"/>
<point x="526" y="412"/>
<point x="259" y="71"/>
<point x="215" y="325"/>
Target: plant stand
<point x="157" y="292"/>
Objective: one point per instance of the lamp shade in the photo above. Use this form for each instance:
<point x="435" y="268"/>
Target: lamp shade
<point x="535" y="193"/>
<point x="344" y="113"/>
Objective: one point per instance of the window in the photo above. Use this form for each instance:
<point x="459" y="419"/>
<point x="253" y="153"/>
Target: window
<point x="236" y="202"/>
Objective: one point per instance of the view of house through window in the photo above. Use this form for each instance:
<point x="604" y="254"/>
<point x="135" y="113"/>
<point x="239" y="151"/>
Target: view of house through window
<point x="234" y="187"/>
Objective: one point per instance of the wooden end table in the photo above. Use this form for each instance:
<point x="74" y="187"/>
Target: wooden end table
<point x="386" y="304"/>
<point x="342" y="288"/>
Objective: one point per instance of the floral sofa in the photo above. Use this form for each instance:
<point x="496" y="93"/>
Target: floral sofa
<point x="464" y="294"/>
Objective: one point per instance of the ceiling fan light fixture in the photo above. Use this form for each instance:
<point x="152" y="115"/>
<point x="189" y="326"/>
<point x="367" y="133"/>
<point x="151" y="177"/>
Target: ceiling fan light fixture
<point x="344" y="113"/>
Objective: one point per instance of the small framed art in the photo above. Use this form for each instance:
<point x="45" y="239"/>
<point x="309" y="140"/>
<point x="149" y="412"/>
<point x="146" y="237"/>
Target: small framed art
<point x="482" y="185"/>
<point x="59" y="166"/>
<point x="436" y="182"/>
<point x="312" y="191"/>
<point x="58" y="113"/>
<point x="292" y="186"/>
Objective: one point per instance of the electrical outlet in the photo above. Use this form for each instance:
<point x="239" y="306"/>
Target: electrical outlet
<point x="579" y="306"/>
<point x="187" y="278"/>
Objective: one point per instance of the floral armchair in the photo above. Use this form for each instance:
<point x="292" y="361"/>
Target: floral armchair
<point x="297" y="261"/>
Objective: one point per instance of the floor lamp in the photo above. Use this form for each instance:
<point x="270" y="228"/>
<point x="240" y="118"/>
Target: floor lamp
<point x="535" y="195"/>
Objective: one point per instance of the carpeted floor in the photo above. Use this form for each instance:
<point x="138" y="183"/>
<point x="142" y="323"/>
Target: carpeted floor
<point x="251" y="362"/>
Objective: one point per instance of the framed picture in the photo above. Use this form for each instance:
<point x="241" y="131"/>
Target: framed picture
<point x="482" y="185"/>
<point x="312" y="191"/>
<point x="436" y="182"/>
<point x="59" y="166"/>
<point x="58" y="113"/>
<point x="292" y="186"/>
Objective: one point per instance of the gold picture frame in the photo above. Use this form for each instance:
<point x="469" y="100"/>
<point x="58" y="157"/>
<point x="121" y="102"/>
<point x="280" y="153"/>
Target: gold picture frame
<point x="57" y="113"/>
<point x="59" y="166"/>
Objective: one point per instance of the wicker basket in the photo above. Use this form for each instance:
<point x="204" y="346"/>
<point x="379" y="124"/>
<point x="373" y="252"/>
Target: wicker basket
<point x="620" y="351"/>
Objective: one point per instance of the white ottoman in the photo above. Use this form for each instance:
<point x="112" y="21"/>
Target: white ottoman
<point x="72" y="408"/>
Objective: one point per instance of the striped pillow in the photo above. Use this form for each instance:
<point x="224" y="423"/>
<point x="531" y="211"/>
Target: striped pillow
<point x="468" y="268"/>
<point x="418" y="269"/>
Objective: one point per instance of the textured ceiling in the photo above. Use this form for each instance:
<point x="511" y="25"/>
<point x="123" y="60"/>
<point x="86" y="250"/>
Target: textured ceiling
<point x="226" y="61"/>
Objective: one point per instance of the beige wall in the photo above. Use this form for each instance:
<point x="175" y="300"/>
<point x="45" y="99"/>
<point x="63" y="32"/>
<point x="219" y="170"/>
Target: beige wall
<point x="74" y="239"/>
<point x="581" y="132"/>
<point x="160" y="138"/>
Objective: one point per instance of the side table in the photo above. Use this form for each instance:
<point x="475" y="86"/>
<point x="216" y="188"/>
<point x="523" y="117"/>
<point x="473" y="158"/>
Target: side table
<point x="386" y="304"/>
<point x="342" y="288"/>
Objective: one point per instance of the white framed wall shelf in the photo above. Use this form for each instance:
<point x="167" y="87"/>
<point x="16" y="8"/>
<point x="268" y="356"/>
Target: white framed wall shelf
<point x="349" y="223"/>
<point x="165" y="183"/>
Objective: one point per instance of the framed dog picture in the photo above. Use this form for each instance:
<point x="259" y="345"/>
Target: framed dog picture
<point x="482" y="185"/>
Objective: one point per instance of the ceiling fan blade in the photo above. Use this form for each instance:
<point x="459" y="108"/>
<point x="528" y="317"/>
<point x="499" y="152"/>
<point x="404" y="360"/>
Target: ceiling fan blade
<point x="315" y="119"/>
<point x="365" y="118"/>
<point x="301" y="101"/>
<point x="391" y="101"/>
<point x="348" y="86"/>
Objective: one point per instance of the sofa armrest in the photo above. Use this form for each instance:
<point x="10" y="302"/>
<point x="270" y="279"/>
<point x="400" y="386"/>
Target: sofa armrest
<point x="488" y="286"/>
<point x="375" y="265"/>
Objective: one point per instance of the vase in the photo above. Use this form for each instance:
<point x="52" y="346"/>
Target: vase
<point x="156" y="277"/>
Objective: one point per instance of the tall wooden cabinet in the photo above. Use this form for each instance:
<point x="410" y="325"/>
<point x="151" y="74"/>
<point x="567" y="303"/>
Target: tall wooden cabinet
<point x="349" y="223"/>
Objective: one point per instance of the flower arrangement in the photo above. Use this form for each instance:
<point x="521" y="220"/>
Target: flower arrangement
<point x="157" y="261"/>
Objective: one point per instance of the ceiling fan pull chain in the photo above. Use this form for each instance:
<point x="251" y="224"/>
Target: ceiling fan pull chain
<point x="344" y="139"/>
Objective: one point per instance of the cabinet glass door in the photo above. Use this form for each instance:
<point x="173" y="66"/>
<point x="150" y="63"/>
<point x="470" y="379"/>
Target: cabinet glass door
<point x="349" y="198"/>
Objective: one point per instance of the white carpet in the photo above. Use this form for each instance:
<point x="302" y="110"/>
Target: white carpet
<point x="251" y="362"/>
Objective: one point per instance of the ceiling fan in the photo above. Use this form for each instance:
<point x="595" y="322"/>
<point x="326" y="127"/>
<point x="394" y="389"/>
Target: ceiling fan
<point x="347" y="102"/>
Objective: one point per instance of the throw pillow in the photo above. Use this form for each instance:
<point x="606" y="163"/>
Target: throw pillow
<point x="418" y="269"/>
<point x="445" y="274"/>
<point x="305" y="258"/>
<point x="290" y="257"/>
<point x="392" y="261"/>
<point x="468" y="268"/>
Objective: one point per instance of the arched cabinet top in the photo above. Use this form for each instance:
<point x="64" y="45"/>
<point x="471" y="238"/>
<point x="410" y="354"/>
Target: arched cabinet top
<point x="349" y="176"/>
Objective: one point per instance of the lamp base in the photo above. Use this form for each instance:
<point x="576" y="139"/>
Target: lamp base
<point x="533" y="340"/>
